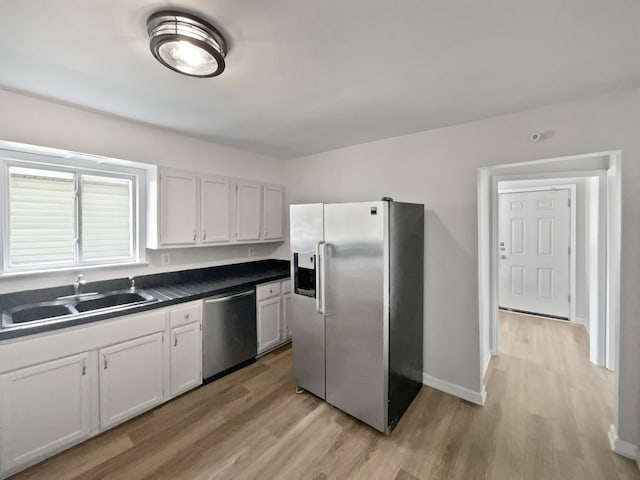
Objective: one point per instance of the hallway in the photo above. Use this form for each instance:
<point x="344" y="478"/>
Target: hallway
<point x="556" y="406"/>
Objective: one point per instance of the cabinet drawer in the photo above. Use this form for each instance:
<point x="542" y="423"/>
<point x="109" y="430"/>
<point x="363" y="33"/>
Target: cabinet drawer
<point x="185" y="314"/>
<point x="267" y="291"/>
<point x="286" y="286"/>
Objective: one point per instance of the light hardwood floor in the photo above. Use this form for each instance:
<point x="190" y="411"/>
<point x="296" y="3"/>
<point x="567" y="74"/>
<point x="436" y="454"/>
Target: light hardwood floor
<point x="546" y="417"/>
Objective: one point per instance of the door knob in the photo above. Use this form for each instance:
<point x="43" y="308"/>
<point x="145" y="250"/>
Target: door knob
<point x="503" y="257"/>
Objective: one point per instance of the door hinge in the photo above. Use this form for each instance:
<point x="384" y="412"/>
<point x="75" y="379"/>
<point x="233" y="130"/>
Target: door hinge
<point x="569" y="203"/>
<point x="569" y="250"/>
<point x="569" y="298"/>
<point x="200" y="327"/>
<point x="236" y="188"/>
<point x="84" y="366"/>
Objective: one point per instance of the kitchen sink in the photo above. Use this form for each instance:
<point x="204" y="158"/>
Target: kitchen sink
<point x="32" y="313"/>
<point x="110" y="300"/>
<point x="74" y="306"/>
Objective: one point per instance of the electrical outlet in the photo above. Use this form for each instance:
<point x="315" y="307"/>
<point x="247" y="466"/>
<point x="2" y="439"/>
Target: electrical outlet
<point x="252" y="251"/>
<point x="165" y="259"/>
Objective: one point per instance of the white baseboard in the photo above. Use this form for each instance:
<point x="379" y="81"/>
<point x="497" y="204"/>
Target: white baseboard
<point x="622" y="447"/>
<point x="456" y="390"/>
<point x="487" y="361"/>
<point x="583" y="322"/>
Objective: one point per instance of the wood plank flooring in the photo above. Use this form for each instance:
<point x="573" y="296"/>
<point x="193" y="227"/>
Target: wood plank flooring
<point x="546" y="417"/>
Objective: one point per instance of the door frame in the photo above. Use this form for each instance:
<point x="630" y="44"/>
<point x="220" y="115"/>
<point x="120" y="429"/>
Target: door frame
<point x="605" y="164"/>
<point x="572" y="236"/>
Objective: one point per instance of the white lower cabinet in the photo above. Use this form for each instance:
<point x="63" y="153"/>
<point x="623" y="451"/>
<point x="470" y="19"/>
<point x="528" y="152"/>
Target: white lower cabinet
<point x="44" y="409"/>
<point x="269" y="312"/>
<point x="131" y="378"/>
<point x="286" y="313"/>
<point x="186" y="358"/>
<point x="273" y="308"/>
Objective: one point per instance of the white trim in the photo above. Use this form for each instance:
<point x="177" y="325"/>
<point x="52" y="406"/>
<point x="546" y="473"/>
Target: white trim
<point x="583" y="322"/>
<point x="622" y="447"/>
<point x="487" y="361"/>
<point x="472" y="396"/>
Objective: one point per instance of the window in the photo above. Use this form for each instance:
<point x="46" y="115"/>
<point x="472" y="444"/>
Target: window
<point x="68" y="213"/>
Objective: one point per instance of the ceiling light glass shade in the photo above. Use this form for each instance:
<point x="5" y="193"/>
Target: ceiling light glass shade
<point x="186" y="44"/>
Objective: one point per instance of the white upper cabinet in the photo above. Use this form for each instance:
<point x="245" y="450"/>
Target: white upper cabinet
<point x="273" y="212"/>
<point x="178" y="208"/>
<point x="187" y="209"/>
<point x="248" y="218"/>
<point x="215" y="208"/>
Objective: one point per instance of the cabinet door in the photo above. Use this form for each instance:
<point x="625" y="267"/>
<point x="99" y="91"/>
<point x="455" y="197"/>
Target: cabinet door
<point x="44" y="409"/>
<point x="178" y="208"/>
<point x="214" y="209"/>
<point x="286" y="312"/>
<point x="273" y="213"/>
<point x="269" y="323"/>
<point x="248" y="211"/>
<point x="186" y="358"/>
<point x="130" y="379"/>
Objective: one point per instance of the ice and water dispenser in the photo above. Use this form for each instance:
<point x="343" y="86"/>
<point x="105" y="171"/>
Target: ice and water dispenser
<point x="304" y="274"/>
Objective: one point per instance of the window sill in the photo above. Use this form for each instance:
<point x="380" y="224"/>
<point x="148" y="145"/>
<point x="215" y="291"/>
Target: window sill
<point x="75" y="268"/>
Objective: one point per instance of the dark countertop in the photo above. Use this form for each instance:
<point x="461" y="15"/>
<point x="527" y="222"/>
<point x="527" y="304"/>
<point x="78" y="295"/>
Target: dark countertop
<point x="168" y="288"/>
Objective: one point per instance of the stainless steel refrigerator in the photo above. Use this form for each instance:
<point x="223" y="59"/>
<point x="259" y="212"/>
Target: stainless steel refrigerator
<point x="357" y="306"/>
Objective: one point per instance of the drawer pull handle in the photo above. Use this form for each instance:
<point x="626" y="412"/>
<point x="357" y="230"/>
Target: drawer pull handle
<point x="186" y="316"/>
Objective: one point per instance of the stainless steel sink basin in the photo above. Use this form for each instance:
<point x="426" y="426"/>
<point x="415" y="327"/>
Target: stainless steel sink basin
<point x="74" y="306"/>
<point x="32" y="313"/>
<point x="109" y="300"/>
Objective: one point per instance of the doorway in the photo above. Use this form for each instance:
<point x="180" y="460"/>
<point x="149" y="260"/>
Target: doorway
<point x="601" y="168"/>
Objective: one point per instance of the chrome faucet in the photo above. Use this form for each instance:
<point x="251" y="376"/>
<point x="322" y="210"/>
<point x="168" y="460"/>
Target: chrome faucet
<point x="78" y="284"/>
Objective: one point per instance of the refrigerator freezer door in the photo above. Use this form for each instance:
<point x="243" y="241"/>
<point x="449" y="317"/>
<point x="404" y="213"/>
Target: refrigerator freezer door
<point x="357" y="309"/>
<point x="307" y="340"/>
<point x="307" y="324"/>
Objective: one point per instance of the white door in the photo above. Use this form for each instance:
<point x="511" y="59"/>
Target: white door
<point x="178" y="200"/>
<point x="248" y="211"/>
<point x="186" y="358"/>
<point x="44" y="409"/>
<point x="214" y="208"/>
<point x="130" y="379"/>
<point x="534" y="242"/>
<point x="273" y="212"/>
<point x="268" y="323"/>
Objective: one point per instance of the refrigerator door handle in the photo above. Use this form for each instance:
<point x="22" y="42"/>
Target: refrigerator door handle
<point x="319" y="291"/>
<point x="323" y="278"/>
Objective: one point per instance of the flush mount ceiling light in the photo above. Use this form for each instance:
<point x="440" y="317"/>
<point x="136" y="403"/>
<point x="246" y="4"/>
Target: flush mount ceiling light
<point x="186" y="44"/>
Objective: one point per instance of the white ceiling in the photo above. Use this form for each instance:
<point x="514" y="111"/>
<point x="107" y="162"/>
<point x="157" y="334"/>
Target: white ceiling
<point x="309" y="76"/>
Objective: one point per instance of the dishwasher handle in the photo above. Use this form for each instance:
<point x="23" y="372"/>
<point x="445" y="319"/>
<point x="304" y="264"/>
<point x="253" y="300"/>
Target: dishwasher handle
<point x="230" y="297"/>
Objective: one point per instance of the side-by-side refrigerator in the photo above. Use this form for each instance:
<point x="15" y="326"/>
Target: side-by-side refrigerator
<point x="357" y="306"/>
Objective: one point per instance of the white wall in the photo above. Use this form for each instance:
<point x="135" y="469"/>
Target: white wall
<point x="35" y="121"/>
<point x="439" y="168"/>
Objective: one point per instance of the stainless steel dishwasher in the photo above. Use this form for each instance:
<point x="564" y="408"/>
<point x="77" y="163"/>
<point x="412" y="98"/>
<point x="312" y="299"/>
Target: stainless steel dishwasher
<point x="229" y="339"/>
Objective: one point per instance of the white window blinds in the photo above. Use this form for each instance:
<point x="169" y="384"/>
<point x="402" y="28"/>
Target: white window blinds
<point x="106" y="218"/>
<point x="69" y="217"/>
<point x="41" y="217"/>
